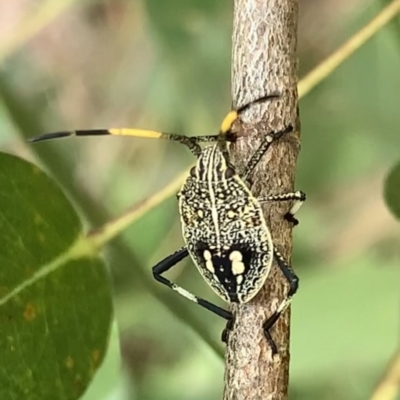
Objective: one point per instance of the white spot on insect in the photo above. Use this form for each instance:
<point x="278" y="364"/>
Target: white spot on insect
<point x="236" y="255"/>
<point x="200" y="213"/>
<point x="231" y="214"/>
<point x="185" y="293"/>
<point x="237" y="262"/>
<point x="239" y="279"/>
<point x="208" y="257"/>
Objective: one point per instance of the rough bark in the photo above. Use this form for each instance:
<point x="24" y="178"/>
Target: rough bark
<point x="264" y="62"/>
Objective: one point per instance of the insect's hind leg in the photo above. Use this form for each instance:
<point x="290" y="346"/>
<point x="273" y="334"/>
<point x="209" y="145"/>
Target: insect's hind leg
<point x="169" y="262"/>
<point x="228" y="327"/>
<point x="298" y="197"/>
<point x="294" y="284"/>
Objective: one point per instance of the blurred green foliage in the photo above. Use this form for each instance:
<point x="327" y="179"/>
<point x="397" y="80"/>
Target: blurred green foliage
<point x="152" y="65"/>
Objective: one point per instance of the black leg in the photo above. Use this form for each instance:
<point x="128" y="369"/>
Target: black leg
<point x="169" y="262"/>
<point x="299" y="198"/>
<point x="264" y="146"/>
<point x="294" y="284"/>
<point x="227" y="329"/>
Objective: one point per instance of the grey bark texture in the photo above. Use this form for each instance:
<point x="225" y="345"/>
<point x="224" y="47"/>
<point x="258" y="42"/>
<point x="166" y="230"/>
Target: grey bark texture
<point x="264" y="61"/>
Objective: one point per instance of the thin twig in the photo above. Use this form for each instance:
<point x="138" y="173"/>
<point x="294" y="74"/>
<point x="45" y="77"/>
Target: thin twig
<point x="389" y="386"/>
<point x="326" y="67"/>
<point x="99" y="237"/>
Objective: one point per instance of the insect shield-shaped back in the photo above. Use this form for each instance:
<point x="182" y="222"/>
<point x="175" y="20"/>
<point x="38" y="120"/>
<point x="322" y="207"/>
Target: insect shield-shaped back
<point x="224" y="228"/>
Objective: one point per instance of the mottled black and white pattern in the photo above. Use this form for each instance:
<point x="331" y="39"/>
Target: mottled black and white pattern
<point x="224" y="229"/>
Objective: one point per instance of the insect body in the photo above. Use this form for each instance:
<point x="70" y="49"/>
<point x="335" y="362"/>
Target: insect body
<point x="223" y="226"/>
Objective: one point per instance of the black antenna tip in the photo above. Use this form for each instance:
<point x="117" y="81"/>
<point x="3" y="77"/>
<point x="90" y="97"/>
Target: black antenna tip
<point x="49" y="136"/>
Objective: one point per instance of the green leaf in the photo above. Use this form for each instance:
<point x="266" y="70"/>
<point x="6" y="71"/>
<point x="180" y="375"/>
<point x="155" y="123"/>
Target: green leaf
<point x="55" y="303"/>
<point x="392" y="190"/>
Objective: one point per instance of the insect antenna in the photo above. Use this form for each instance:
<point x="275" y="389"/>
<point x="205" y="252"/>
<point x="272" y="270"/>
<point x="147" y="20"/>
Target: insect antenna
<point x="190" y="142"/>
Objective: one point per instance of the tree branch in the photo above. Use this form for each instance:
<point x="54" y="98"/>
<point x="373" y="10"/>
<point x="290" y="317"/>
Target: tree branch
<point x="264" y="62"/>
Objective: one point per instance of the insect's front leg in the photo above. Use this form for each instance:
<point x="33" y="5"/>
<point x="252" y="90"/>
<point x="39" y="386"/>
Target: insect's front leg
<point x="299" y="198"/>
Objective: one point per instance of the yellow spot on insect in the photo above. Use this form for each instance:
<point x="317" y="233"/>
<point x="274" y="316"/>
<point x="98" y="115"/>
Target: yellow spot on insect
<point x="236" y="255"/>
<point x="237" y="265"/>
<point x="228" y="121"/>
<point x="208" y="257"/>
<point x="239" y="279"/>
<point x="231" y="214"/>
<point x="200" y="213"/>
<point x="69" y="362"/>
<point x="30" y="312"/>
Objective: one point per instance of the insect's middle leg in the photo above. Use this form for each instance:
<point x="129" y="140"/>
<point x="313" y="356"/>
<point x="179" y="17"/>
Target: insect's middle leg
<point x="299" y="198"/>
<point x="171" y="261"/>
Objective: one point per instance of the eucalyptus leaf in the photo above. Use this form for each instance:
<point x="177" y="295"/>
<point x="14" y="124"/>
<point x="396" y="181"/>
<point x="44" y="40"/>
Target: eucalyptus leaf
<point x="55" y="298"/>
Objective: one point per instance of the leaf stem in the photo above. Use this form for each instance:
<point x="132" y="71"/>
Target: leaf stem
<point x="326" y="67"/>
<point x="388" y="387"/>
<point x="99" y="237"/>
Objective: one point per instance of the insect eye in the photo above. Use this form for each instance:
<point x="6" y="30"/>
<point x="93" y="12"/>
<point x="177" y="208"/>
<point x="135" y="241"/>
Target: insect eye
<point x="193" y="172"/>
<point x="229" y="172"/>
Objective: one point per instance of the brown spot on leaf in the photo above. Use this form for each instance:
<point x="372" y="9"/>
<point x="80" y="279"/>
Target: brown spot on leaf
<point x="78" y="383"/>
<point x="96" y="357"/>
<point x="69" y="362"/>
<point x="30" y="312"/>
<point x="38" y="219"/>
<point x="41" y="237"/>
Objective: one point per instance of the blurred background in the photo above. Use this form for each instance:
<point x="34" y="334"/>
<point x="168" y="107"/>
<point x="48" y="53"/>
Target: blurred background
<point x="69" y="64"/>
